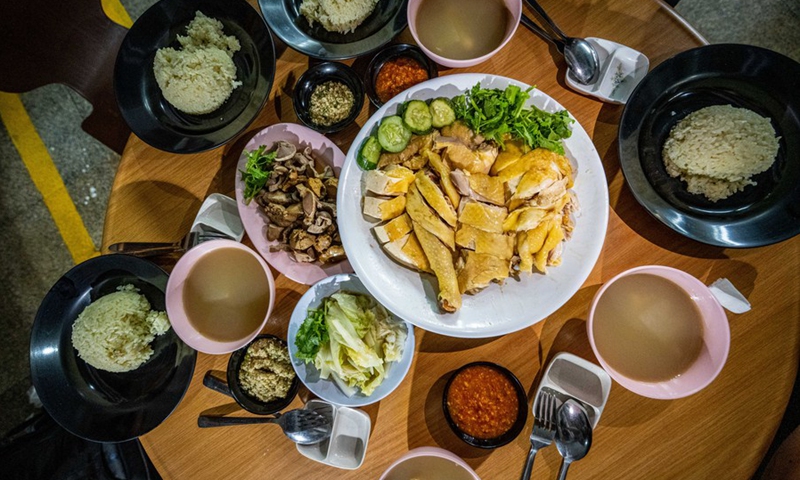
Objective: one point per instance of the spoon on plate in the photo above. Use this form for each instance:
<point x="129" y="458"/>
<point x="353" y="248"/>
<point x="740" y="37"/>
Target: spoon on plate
<point x="305" y="427"/>
<point x="580" y="55"/>
<point x="573" y="435"/>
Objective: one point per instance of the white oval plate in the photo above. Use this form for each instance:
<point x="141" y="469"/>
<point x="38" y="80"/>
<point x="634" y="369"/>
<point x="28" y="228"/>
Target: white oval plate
<point x="255" y="222"/>
<point x="308" y="373"/>
<point x="499" y="309"/>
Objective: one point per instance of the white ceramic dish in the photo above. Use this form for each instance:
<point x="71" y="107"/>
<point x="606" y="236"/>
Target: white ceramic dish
<point x="308" y="373"/>
<point x="621" y="69"/>
<point x="499" y="309"/>
<point x="572" y="376"/>
<point x="347" y="445"/>
<point x="255" y="222"/>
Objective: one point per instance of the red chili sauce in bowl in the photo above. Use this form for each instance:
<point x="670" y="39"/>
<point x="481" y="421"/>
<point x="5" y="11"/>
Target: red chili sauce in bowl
<point x="397" y="75"/>
<point x="482" y="402"/>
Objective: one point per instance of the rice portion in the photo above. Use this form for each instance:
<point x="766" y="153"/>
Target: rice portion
<point x="716" y="150"/>
<point x="198" y="78"/>
<point x="114" y="332"/>
<point x="341" y="16"/>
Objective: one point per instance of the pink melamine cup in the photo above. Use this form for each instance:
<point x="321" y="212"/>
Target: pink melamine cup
<point x="513" y="6"/>
<point x="716" y="338"/>
<point x="175" y="299"/>
<point x="433" y="461"/>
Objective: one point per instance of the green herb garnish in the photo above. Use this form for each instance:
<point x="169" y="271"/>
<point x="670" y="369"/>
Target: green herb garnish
<point x="311" y="334"/>
<point x="256" y="172"/>
<point x="495" y="113"/>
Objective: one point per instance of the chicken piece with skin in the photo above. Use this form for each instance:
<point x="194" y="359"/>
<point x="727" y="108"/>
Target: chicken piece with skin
<point x="538" y="158"/>
<point x="459" y="155"/>
<point x="481" y="215"/>
<point x="417" y="144"/>
<point x="423" y="215"/>
<point x="435" y="197"/>
<point x="554" y="236"/>
<point x="477" y="270"/>
<point x="479" y="186"/>
<point x="441" y="262"/>
<point x="529" y="242"/>
<point x="443" y="170"/>
<point x="525" y="218"/>
<point x="407" y="251"/>
<point x="513" y="151"/>
<point x="497" y="244"/>
<point x="461" y="131"/>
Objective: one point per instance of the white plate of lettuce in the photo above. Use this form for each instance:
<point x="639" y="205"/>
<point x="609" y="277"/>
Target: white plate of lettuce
<point x="346" y="347"/>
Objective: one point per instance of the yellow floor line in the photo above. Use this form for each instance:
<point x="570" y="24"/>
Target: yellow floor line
<point x="116" y="12"/>
<point x="45" y="176"/>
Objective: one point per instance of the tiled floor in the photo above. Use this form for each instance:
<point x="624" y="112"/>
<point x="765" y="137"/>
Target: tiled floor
<point x="33" y="255"/>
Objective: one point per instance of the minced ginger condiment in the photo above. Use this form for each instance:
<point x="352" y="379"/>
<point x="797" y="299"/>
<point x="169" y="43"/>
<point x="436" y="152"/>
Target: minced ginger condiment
<point x="331" y="102"/>
<point x="482" y="402"/>
<point x="397" y="75"/>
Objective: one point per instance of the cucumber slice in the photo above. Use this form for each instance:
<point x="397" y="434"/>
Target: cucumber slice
<point x="393" y="135"/>
<point x="417" y="116"/>
<point x="442" y="114"/>
<point x="369" y="154"/>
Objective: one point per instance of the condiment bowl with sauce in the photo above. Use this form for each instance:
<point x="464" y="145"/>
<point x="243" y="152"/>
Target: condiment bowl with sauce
<point x="321" y="98"/>
<point x="659" y="332"/>
<point x="396" y="68"/>
<point x="219" y="296"/>
<point x="463" y="33"/>
<point x="485" y="404"/>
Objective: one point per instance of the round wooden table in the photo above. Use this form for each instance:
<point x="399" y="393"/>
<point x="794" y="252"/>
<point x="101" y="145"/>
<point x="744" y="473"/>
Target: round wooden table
<point x="724" y="430"/>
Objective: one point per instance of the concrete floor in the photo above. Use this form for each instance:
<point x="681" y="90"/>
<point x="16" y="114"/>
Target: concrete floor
<point x="33" y="255"/>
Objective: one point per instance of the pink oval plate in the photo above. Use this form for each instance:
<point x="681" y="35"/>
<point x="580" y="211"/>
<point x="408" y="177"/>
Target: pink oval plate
<point x="255" y="222"/>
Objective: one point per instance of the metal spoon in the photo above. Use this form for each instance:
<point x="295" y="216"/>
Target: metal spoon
<point x="305" y="427"/>
<point x="573" y="435"/>
<point x="580" y="55"/>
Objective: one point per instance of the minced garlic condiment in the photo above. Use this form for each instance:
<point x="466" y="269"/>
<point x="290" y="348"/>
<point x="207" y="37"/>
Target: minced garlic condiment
<point x="266" y="372"/>
<point x="331" y="102"/>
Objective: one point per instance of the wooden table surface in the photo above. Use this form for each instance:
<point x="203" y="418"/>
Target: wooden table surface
<point x="723" y="431"/>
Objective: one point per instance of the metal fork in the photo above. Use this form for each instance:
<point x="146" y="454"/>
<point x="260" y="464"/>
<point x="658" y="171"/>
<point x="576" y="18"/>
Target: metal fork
<point x="151" y="249"/>
<point x="544" y="427"/>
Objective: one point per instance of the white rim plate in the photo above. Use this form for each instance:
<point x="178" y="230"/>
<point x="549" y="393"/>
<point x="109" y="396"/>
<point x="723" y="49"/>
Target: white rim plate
<point x="255" y="222"/>
<point x="309" y="375"/>
<point x="499" y="309"/>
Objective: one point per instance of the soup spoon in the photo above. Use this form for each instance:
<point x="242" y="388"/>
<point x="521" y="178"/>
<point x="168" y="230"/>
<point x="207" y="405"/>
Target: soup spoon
<point x="580" y="55"/>
<point x="573" y="435"/>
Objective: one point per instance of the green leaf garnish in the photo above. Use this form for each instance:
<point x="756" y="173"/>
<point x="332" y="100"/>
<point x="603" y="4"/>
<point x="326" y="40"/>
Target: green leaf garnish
<point x="256" y="172"/>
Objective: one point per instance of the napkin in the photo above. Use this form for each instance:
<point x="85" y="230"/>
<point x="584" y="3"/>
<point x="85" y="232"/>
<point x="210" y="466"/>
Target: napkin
<point x="219" y="213"/>
<point x="727" y="295"/>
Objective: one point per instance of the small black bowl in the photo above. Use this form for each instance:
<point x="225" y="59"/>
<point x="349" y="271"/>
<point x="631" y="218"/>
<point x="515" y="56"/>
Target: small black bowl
<point x="390" y="53"/>
<point x="319" y="74"/>
<point x="244" y="399"/>
<point x="516" y="427"/>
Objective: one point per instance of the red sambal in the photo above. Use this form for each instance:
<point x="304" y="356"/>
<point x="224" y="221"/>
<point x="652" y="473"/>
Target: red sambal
<point x="397" y="75"/>
<point x="482" y="402"/>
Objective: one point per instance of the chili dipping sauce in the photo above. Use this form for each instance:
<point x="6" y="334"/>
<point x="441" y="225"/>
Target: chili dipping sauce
<point x="397" y="75"/>
<point x="482" y="402"/>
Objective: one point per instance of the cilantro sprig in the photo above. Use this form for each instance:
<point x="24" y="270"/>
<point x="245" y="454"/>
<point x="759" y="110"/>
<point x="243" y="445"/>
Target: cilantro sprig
<point x="257" y="171"/>
<point x="495" y="113"/>
<point x="312" y="334"/>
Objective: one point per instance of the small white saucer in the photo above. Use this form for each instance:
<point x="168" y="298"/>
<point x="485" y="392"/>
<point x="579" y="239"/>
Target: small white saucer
<point x="621" y="69"/>
<point x="570" y="376"/>
<point x="347" y="445"/>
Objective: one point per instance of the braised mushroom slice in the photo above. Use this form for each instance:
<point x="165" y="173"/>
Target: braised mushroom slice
<point x="332" y="255"/>
<point x="322" y="243"/>
<point x="321" y="223"/>
<point x="273" y="232"/>
<point x="299" y="239"/>
<point x="284" y="151"/>
<point x="301" y="257"/>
